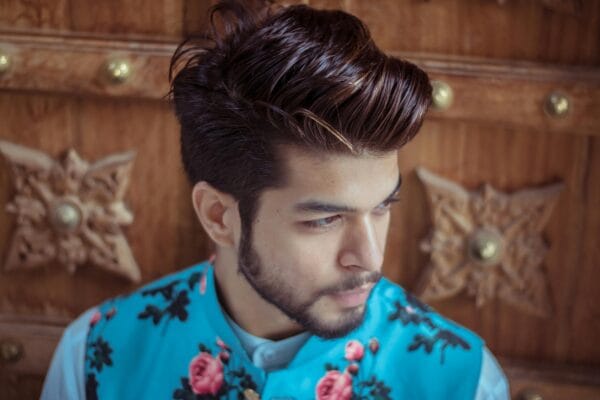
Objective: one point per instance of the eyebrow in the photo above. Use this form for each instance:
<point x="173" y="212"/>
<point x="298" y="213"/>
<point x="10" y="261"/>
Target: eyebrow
<point x="321" y="207"/>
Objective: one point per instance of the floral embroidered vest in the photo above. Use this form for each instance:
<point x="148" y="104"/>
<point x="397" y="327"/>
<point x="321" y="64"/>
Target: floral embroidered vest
<point x="170" y="340"/>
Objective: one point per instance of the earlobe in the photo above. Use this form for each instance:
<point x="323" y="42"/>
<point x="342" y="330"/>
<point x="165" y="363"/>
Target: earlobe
<point x="213" y="209"/>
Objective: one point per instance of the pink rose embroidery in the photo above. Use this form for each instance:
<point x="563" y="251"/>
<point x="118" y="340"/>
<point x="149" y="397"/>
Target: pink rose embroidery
<point x="202" y="286"/>
<point x="352" y="368"/>
<point x="205" y="374"/>
<point x="222" y="344"/>
<point x="95" y="318"/>
<point x="334" y="386"/>
<point x="224" y="356"/>
<point x="354" y="350"/>
<point x="111" y="313"/>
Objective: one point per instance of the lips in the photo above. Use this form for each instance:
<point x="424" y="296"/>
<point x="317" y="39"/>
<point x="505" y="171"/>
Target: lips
<point x="353" y="298"/>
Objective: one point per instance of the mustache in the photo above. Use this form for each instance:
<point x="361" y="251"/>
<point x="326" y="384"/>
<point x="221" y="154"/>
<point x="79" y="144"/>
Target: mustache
<point x="353" y="282"/>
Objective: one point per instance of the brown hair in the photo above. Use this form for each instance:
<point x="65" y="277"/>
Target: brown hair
<point x="288" y="76"/>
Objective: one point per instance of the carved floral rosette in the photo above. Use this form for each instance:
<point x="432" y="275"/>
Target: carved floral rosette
<point x="69" y="212"/>
<point x="488" y="243"/>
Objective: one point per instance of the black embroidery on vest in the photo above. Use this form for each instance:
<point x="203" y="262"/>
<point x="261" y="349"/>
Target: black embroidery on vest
<point x="177" y="300"/>
<point x="91" y="387"/>
<point x="100" y="353"/>
<point x="415" y="312"/>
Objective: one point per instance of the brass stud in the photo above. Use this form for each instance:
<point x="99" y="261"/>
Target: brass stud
<point x="4" y="61"/>
<point x="442" y="95"/>
<point x="485" y="246"/>
<point x="65" y="216"/>
<point x="530" y="395"/>
<point x="557" y="104"/>
<point x="118" y="70"/>
<point x="10" y="351"/>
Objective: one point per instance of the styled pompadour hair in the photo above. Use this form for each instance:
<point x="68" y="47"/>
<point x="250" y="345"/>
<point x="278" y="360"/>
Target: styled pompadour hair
<point x="266" y="77"/>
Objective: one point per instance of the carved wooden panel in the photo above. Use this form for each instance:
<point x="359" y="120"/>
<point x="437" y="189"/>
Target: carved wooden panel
<point x="488" y="243"/>
<point x="158" y="196"/>
<point x="512" y="159"/>
<point x="71" y="212"/>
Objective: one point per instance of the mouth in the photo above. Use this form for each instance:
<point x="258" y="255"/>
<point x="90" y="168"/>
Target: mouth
<point x="354" y="297"/>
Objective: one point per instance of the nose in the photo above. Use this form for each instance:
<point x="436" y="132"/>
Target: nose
<point x="363" y="246"/>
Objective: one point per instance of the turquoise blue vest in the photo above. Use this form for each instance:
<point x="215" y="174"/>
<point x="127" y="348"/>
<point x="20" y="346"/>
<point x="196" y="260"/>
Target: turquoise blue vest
<point x="170" y="340"/>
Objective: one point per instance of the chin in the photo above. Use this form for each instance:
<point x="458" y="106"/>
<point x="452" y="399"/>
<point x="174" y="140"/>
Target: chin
<point x="341" y="325"/>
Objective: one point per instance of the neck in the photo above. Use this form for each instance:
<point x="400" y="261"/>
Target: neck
<point x="245" y="306"/>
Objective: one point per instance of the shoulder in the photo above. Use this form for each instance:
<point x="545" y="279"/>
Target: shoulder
<point x="164" y="290"/>
<point x="65" y="376"/>
<point x="398" y="308"/>
<point x="413" y="333"/>
<point x="493" y="383"/>
<point x="125" y="318"/>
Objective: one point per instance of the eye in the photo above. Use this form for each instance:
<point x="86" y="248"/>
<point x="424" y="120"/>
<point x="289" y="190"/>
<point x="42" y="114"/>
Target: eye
<point x="322" y="222"/>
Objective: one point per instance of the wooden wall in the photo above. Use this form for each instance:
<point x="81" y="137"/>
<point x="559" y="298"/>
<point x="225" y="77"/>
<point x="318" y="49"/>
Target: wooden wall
<point x="502" y="58"/>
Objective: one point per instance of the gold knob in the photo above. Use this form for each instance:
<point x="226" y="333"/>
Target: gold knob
<point x="442" y="95"/>
<point x="118" y="70"/>
<point x="530" y="395"/>
<point x="557" y="104"/>
<point x="10" y="351"/>
<point x="485" y="246"/>
<point x="4" y="61"/>
<point x="65" y="216"/>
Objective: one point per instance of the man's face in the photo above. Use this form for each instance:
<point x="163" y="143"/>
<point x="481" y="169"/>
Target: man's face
<point x="316" y="246"/>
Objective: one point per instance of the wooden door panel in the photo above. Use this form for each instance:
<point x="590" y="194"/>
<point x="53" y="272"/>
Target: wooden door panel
<point x="158" y="197"/>
<point x="136" y="18"/>
<point x="509" y="160"/>
<point x="81" y="66"/>
<point x="532" y="30"/>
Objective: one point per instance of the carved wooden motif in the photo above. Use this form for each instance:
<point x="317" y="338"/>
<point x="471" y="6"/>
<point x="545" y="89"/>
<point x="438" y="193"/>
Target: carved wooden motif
<point x="69" y="211"/>
<point x="489" y="243"/>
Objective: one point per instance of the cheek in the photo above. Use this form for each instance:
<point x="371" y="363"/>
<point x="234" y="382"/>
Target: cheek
<point x="306" y="257"/>
<point x="276" y="237"/>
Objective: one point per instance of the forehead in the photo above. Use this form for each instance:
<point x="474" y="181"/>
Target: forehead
<point x="360" y="181"/>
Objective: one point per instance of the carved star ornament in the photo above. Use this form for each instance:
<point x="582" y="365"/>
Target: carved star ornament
<point x="69" y="211"/>
<point x="488" y="243"/>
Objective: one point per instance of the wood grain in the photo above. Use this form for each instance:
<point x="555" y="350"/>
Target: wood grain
<point x="109" y="18"/>
<point x="519" y="29"/>
<point x="38" y="341"/>
<point x="551" y="382"/>
<point x="78" y="66"/>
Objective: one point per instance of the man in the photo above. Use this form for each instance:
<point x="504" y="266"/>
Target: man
<point x="290" y="127"/>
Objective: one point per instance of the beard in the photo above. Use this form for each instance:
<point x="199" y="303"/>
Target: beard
<point x="276" y="291"/>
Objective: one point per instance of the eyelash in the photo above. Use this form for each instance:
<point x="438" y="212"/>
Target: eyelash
<point x="324" y="223"/>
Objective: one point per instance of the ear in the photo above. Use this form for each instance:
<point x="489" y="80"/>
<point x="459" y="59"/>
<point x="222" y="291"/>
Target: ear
<point x="217" y="212"/>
